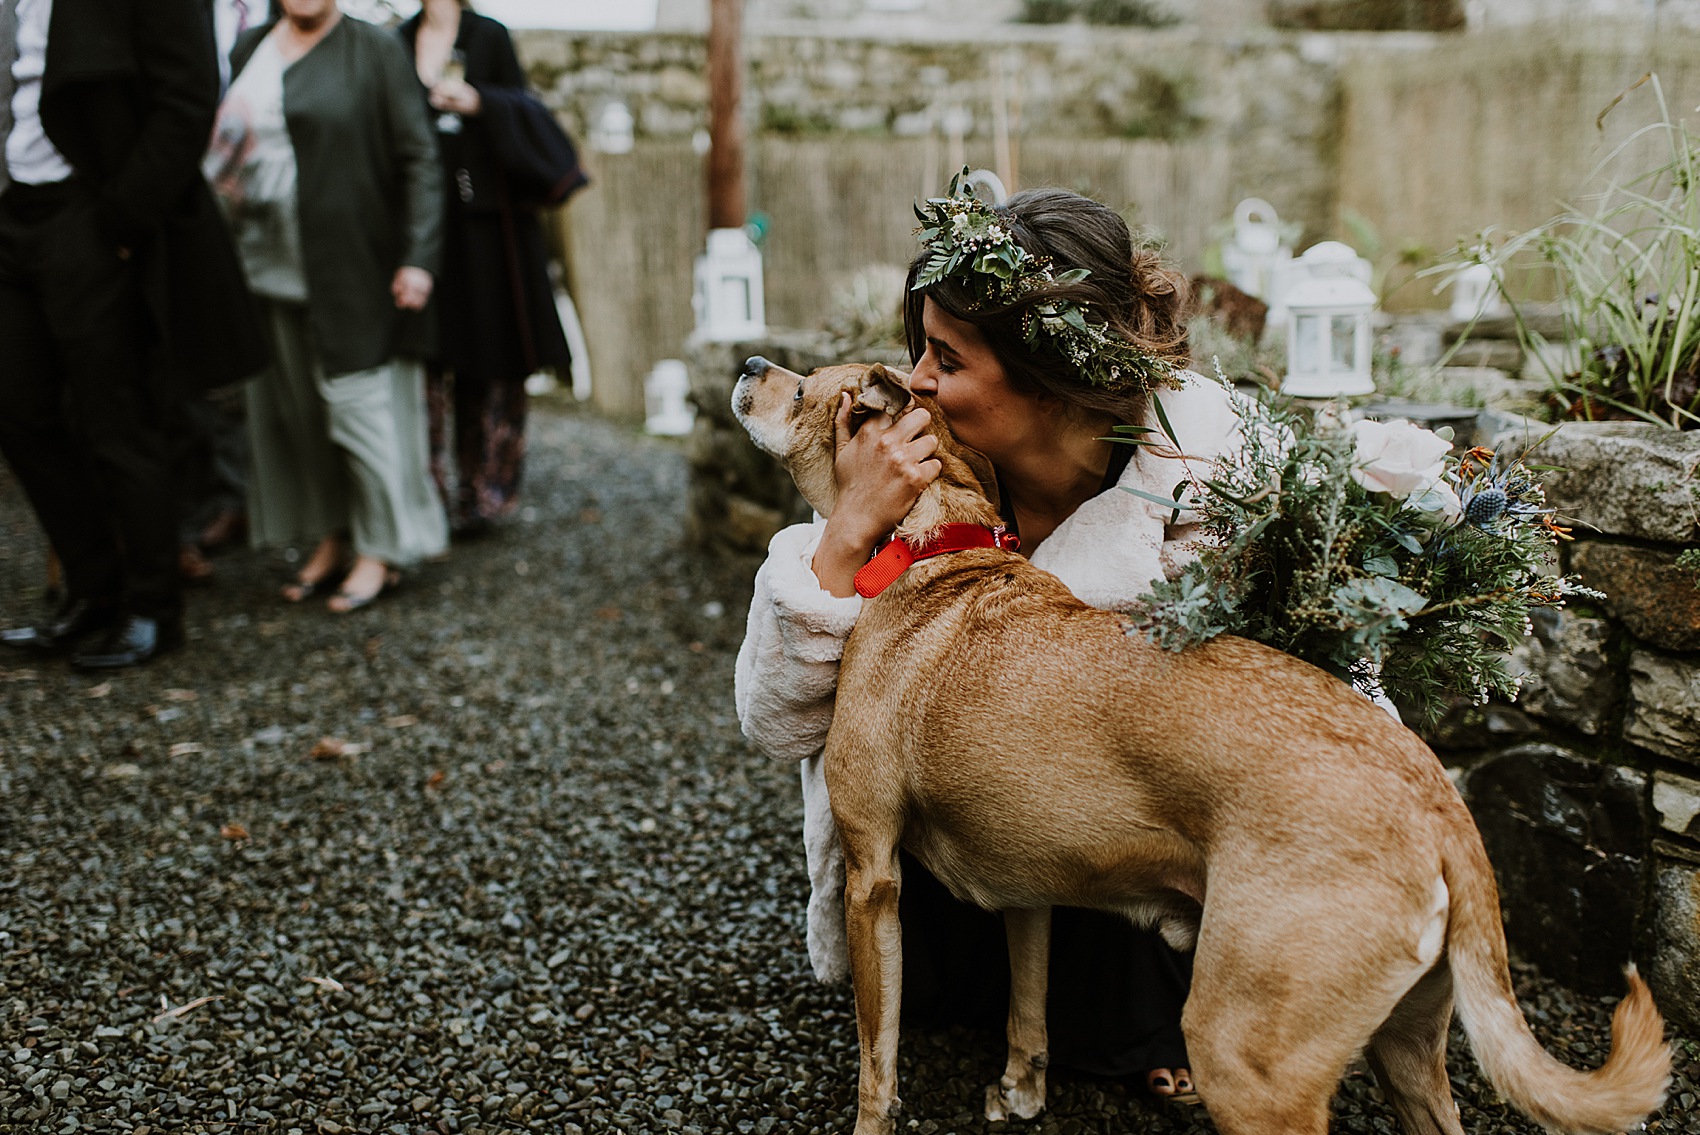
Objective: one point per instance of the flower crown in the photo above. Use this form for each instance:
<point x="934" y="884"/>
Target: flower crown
<point x="965" y="238"/>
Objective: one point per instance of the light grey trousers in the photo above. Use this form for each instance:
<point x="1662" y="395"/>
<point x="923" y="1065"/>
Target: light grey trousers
<point x="344" y="454"/>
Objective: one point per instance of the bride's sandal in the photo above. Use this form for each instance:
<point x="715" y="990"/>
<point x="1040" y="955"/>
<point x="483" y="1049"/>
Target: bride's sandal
<point x="1171" y="1086"/>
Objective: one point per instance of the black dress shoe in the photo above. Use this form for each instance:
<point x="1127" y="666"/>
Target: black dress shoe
<point x="74" y="619"/>
<point x="131" y="642"/>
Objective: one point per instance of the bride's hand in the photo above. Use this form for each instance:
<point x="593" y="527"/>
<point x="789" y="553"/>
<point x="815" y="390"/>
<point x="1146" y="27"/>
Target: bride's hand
<point x="881" y="471"/>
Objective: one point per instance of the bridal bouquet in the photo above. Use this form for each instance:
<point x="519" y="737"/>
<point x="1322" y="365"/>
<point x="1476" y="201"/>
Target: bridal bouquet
<point x="1368" y="549"/>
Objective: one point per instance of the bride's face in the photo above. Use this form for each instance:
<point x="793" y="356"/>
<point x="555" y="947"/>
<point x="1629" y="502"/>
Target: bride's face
<point x="976" y="397"/>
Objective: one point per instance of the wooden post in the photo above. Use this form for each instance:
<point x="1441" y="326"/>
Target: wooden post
<point x="727" y="207"/>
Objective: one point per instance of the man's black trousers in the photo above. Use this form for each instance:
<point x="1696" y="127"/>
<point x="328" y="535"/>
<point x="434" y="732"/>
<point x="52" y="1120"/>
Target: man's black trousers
<point x="81" y="420"/>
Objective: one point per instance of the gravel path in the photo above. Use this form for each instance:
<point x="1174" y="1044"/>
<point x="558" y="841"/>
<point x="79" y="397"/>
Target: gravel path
<point x="489" y="856"/>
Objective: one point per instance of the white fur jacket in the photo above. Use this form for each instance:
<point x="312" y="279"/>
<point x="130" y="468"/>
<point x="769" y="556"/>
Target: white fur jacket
<point x="1108" y="553"/>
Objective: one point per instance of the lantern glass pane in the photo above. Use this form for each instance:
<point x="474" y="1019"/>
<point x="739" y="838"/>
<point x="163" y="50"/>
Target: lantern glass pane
<point x="1307" y="339"/>
<point x="1342" y="343"/>
<point x="735" y="298"/>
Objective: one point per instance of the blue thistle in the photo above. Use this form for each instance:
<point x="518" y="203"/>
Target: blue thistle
<point x="1487" y="506"/>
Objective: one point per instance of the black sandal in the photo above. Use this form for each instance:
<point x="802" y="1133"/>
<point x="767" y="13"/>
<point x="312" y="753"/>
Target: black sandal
<point x="300" y="590"/>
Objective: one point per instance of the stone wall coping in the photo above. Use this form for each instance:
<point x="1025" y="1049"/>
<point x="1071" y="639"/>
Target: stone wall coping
<point x="1316" y="46"/>
<point x="1633" y="479"/>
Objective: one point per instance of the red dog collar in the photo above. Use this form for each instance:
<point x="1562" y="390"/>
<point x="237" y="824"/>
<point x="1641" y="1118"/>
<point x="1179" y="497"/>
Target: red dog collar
<point x="894" y="559"/>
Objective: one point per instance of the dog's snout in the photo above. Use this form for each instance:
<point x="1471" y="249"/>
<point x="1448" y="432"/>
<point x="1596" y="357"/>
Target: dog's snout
<point x="755" y="366"/>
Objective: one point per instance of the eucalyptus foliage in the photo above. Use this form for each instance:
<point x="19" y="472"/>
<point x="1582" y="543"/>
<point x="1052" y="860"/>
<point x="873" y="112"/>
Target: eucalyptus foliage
<point x="1409" y="570"/>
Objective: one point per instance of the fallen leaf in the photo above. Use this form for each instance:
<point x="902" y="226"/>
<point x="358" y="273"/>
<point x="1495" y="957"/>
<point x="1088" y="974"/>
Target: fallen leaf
<point x="233" y="830"/>
<point x="401" y="721"/>
<point x="99" y="691"/>
<point x="186" y="749"/>
<point x="435" y="780"/>
<point x="327" y="982"/>
<point x="332" y="748"/>
<point x="122" y="771"/>
<point x="181" y="695"/>
<point x="181" y="1009"/>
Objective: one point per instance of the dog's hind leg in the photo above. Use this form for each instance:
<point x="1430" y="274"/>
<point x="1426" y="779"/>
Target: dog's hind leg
<point x="1279" y="1006"/>
<point x="1021" y="1092"/>
<point x="872" y="882"/>
<point x="1408" y="1054"/>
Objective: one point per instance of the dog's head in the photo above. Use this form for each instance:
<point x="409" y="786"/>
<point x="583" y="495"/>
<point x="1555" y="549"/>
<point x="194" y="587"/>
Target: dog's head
<point x="790" y="416"/>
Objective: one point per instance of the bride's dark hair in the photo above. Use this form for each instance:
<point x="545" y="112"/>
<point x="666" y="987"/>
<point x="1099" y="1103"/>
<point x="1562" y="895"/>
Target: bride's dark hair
<point x="1130" y="288"/>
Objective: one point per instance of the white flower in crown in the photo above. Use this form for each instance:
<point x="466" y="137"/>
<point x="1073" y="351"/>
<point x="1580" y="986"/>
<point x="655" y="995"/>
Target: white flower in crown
<point x="1397" y="458"/>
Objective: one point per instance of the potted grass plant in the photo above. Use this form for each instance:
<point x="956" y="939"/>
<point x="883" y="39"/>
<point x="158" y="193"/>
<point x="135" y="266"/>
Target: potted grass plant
<point x="1625" y="267"/>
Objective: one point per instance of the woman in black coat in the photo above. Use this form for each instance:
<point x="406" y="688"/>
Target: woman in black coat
<point x="495" y="306"/>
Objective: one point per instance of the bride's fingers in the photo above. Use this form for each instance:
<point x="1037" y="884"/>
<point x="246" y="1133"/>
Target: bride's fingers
<point x="912" y="423"/>
<point x="922" y="447"/>
<point x="841" y="424"/>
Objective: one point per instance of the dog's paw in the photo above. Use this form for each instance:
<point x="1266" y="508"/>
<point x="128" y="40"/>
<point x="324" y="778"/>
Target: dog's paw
<point x="1007" y="1099"/>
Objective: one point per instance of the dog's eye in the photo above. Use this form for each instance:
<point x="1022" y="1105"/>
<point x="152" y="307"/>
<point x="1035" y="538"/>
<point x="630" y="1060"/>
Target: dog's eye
<point x="799" y="397"/>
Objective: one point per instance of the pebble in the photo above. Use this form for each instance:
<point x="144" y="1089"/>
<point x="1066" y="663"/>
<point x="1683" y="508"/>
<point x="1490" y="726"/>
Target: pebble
<point x="591" y="922"/>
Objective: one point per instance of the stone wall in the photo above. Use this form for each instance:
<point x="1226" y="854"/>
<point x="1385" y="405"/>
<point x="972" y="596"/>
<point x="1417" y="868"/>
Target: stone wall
<point x="1272" y="92"/>
<point x="1588" y="789"/>
<point x="1171" y="127"/>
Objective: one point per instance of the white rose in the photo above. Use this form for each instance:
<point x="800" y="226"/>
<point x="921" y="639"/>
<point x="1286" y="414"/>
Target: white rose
<point x="1397" y="457"/>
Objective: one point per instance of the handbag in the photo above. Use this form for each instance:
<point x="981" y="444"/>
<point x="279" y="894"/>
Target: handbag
<point x="539" y="159"/>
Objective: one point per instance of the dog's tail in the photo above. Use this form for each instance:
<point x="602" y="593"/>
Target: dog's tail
<point x="1614" y="1097"/>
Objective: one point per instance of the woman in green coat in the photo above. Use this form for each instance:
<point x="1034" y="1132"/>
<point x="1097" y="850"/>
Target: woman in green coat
<point x="329" y="174"/>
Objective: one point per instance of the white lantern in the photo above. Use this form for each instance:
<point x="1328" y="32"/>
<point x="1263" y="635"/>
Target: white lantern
<point x="614" y="130"/>
<point x="728" y="298"/>
<point x="1475" y="295"/>
<point x="1254" y="255"/>
<point x="1329" y="302"/>
<point x="666" y="399"/>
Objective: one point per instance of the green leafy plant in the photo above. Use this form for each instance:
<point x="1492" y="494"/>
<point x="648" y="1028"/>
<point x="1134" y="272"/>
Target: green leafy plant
<point x="1123" y="13"/>
<point x="1365" y="548"/>
<point x="1046" y="11"/>
<point x="1689" y="561"/>
<point x="1128" y="13"/>
<point x="1627" y="274"/>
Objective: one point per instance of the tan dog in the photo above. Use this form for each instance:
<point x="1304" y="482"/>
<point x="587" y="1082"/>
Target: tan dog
<point x="1031" y="752"/>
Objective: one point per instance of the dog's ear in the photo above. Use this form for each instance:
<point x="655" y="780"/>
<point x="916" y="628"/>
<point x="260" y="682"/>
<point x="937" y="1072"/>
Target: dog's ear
<point x="883" y="392"/>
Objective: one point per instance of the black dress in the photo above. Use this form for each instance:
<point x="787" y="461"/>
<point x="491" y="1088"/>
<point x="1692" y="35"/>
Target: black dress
<point x="494" y="302"/>
<point x="1115" y="995"/>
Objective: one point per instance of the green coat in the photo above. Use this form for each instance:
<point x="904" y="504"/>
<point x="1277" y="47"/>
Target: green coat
<point x="370" y="190"/>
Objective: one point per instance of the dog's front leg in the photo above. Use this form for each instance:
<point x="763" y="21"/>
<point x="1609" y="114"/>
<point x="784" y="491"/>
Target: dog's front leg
<point x="871" y="886"/>
<point x="1021" y="1092"/>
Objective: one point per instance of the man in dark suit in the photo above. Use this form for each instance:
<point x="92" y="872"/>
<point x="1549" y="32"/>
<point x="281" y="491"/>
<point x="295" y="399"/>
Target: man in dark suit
<point x="114" y="263"/>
